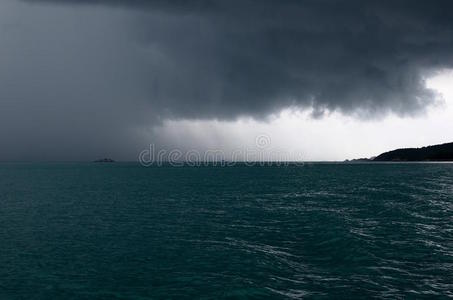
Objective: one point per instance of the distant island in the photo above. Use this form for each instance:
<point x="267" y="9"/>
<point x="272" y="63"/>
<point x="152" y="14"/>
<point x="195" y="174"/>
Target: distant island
<point x="360" y="160"/>
<point x="104" y="160"/>
<point x="443" y="152"/>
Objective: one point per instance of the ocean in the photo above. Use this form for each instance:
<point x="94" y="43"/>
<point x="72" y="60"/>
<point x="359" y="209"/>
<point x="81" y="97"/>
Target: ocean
<point x="318" y="230"/>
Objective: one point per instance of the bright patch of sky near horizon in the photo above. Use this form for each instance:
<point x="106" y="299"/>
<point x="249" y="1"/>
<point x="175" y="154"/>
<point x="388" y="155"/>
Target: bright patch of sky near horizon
<point x="334" y="137"/>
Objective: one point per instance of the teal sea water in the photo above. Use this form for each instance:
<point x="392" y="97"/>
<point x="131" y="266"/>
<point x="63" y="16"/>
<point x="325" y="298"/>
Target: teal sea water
<point x="122" y="231"/>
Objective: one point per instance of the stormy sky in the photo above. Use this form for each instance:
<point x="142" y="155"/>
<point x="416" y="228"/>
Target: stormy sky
<point x="81" y="79"/>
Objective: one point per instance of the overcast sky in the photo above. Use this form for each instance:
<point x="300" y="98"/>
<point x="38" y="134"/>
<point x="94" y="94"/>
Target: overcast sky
<point x="327" y="79"/>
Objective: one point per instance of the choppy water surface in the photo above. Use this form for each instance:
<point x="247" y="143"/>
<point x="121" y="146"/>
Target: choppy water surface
<point x="121" y="231"/>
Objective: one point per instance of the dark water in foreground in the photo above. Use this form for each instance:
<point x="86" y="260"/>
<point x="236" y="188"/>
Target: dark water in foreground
<point x="121" y="231"/>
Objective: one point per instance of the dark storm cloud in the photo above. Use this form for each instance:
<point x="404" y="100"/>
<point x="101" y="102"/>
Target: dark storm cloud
<point x="83" y="78"/>
<point x="229" y="58"/>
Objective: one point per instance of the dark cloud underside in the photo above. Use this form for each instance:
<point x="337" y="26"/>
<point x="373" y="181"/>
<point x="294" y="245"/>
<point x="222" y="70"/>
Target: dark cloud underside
<point x="227" y="58"/>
